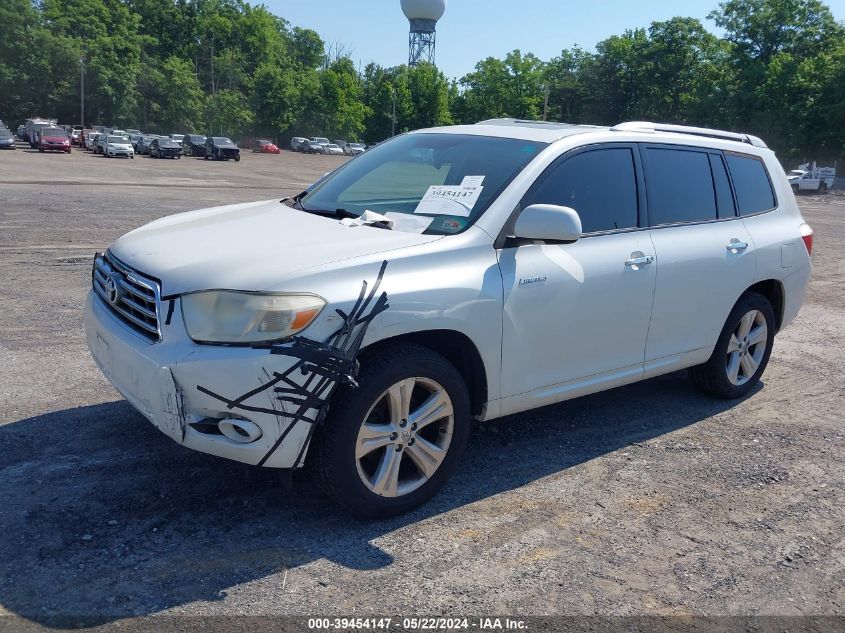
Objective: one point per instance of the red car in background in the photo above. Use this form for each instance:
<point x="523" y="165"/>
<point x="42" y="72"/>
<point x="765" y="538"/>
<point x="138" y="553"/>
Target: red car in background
<point x="53" y="139"/>
<point x="263" y="146"/>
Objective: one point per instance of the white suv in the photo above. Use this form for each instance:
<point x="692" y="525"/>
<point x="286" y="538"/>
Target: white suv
<point x="449" y="274"/>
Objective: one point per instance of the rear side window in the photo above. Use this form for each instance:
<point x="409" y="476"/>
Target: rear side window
<point x="599" y="184"/>
<point x="752" y="185"/>
<point x="680" y="186"/>
<point x="724" y="197"/>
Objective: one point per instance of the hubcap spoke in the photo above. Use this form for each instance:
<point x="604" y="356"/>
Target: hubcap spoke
<point x="733" y="345"/>
<point x="399" y="400"/>
<point x="757" y="335"/>
<point x="436" y="407"/>
<point x="733" y="367"/>
<point x="426" y="456"/>
<point x="372" y="437"/>
<point x="745" y="324"/>
<point x="386" y="479"/>
<point x="749" y="365"/>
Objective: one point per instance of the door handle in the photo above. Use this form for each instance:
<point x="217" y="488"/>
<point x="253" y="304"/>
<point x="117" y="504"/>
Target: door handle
<point x="734" y="246"/>
<point x="639" y="261"/>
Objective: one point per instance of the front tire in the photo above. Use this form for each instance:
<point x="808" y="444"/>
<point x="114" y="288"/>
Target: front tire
<point x="391" y="444"/>
<point x="742" y="351"/>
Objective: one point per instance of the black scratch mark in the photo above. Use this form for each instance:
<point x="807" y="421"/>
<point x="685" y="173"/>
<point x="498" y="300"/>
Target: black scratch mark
<point x="325" y="365"/>
<point x="170" y="306"/>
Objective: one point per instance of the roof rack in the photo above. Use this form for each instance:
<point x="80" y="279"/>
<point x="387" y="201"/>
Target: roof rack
<point x="647" y="126"/>
<point x="551" y="125"/>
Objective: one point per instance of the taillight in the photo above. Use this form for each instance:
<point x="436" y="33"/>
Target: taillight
<point x="807" y="236"/>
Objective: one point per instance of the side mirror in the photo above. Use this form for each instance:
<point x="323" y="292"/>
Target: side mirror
<point x="548" y="222"/>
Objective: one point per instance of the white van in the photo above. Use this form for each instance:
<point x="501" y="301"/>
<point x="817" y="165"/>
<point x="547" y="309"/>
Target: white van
<point x="447" y="274"/>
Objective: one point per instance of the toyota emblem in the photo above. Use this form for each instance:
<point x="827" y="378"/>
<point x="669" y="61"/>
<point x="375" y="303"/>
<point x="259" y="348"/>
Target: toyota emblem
<point x="113" y="290"/>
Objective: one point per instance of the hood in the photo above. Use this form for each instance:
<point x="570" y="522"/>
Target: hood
<point x="252" y="246"/>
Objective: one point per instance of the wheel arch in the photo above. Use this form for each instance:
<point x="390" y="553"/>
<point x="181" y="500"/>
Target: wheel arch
<point x="457" y="348"/>
<point x="773" y="290"/>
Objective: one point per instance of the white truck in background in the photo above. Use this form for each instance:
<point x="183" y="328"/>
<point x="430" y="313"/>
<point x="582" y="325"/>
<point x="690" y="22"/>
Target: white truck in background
<point x="809" y="177"/>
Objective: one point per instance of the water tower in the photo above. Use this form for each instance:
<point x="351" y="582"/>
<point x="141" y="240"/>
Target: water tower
<point x="423" y="16"/>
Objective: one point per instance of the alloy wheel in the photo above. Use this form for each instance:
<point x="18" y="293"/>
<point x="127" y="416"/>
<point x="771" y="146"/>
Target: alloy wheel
<point x="747" y="347"/>
<point x="404" y="437"/>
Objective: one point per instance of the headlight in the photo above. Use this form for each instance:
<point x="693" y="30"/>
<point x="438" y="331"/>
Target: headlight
<point x="243" y="317"/>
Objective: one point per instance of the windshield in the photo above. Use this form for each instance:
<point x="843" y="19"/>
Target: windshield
<point x="52" y="131"/>
<point x="219" y="140"/>
<point x="117" y="139"/>
<point x="447" y="179"/>
<point x="167" y="142"/>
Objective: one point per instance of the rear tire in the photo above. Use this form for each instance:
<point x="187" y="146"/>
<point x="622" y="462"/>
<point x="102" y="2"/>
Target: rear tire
<point x="396" y="384"/>
<point x="742" y="351"/>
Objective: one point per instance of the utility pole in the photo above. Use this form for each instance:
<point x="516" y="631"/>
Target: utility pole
<point x="546" y="105"/>
<point x="82" y="91"/>
<point x="393" y="131"/>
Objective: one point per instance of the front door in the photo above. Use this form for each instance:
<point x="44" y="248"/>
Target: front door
<point x="578" y="314"/>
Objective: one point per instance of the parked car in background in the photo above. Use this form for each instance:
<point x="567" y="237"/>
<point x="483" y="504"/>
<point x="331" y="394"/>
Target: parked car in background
<point x="92" y="142"/>
<point x="314" y="147"/>
<point x="53" y="139"/>
<point x="143" y="146"/>
<point x="334" y="150"/>
<point x="7" y="139"/>
<point x="32" y="126"/>
<point x="83" y="137"/>
<point x="193" y="145"/>
<point x="123" y="133"/>
<point x="134" y="138"/>
<point x="178" y="138"/>
<point x="298" y="143"/>
<point x="114" y="146"/>
<point x="353" y="149"/>
<point x="263" y="146"/>
<point x="341" y="144"/>
<point x="319" y="139"/>
<point x="132" y="131"/>
<point x="164" y="147"/>
<point x="221" y="148"/>
<point x="21" y="131"/>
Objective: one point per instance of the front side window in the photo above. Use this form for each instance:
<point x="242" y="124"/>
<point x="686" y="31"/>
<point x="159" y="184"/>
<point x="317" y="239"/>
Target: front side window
<point x="751" y="182"/>
<point x="599" y="184"/>
<point x="447" y="181"/>
<point x="680" y="187"/>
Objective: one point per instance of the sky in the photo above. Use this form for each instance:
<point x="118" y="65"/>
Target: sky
<point x="472" y="30"/>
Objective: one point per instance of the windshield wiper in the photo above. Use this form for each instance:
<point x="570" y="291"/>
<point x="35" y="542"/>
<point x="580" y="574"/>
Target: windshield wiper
<point x="337" y="213"/>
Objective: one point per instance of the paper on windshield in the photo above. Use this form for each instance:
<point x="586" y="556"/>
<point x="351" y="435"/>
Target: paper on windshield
<point x="451" y="199"/>
<point x="409" y="223"/>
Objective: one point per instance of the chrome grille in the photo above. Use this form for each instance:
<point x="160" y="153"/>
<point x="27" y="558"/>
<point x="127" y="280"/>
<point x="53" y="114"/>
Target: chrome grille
<point x="133" y="298"/>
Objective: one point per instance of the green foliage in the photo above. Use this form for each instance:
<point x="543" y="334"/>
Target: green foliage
<point x="230" y="67"/>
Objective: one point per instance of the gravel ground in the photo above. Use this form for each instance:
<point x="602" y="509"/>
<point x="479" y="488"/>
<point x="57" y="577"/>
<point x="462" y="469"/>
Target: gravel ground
<point x="649" y="499"/>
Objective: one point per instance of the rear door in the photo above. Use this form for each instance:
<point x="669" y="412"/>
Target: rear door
<point x="705" y="255"/>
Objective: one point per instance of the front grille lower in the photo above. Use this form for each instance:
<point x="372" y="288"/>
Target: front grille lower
<point x="131" y="296"/>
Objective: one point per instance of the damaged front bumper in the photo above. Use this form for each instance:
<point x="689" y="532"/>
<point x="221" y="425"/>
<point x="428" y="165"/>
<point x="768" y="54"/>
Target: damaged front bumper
<point x="174" y="384"/>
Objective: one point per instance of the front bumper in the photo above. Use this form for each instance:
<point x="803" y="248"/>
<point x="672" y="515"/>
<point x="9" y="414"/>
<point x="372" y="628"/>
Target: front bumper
<point x="121" y="152"/>
<point x="163" y="380"/>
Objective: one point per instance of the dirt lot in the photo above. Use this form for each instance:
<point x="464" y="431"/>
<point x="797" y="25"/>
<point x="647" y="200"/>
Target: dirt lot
<point x="651" y="499"/>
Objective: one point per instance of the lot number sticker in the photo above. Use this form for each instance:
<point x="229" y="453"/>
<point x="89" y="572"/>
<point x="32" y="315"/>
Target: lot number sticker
<point x="452" y="199"/>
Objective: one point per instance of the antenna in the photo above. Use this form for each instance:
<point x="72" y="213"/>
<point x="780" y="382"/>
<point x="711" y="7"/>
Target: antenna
<point x="423" y="16"/>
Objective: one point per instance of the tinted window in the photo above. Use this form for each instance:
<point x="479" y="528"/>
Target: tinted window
<point x="751" y="183"/>
<point x="724" y="197"/>
<point x="680" y="186"/>
<point x="599" y="184"/>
